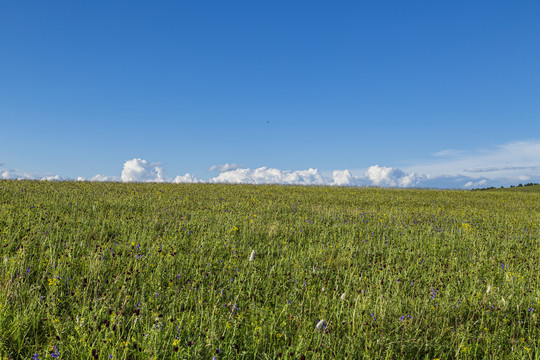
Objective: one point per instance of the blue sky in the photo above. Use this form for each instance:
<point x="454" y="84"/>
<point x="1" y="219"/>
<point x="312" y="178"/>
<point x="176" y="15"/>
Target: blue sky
<point x="416" y="93"/>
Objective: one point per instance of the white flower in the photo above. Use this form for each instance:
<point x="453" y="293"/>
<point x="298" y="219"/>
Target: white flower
<point x="343" y="296"/>
<point x="488" y="289"/>
<point x="320" y="325"/>
<point x="252" y="256"/>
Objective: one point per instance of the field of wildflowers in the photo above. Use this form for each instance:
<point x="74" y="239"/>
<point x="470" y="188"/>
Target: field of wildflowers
<point x="205" y="271"/>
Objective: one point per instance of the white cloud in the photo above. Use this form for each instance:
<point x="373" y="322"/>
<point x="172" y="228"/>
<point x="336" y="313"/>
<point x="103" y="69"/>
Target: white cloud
<point x="264" y="175"/>
<point x="103" y="178"/>
<point x="225" y="167"/>
<point x="52" y="178"/>
<point x="14" y="174"/>
<point x="138" y="170"/>
<point x="188" y="178"/>
<point x="343" y="178"/>
<point x="389" y="176"/>
<point x="480" y="183"/>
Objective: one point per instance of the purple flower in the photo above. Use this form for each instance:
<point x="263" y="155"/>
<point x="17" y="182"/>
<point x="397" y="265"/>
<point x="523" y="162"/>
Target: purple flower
<point x="55" y="353"/>
<point x="321" y="325"/>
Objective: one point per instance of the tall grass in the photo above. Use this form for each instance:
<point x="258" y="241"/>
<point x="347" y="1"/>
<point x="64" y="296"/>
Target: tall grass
<point x="162" y="271"/>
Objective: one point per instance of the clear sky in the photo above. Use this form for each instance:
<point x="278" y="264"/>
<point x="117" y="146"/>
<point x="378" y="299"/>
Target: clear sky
<point x="399" y="93"/>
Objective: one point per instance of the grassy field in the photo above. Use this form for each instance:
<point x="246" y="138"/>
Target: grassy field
<point x="200" y="271"/>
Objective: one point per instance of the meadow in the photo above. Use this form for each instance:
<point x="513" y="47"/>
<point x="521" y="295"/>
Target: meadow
<point x="206" y="271"/>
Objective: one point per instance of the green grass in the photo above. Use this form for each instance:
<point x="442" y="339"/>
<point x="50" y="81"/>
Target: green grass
<point x="162" y="271"/>
<point x="530" y="188"/>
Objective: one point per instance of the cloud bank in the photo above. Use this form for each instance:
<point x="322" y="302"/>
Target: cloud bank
<point x="264" y="175"/>
<point x="504" y="165"/>
<point x="15" y="174"/>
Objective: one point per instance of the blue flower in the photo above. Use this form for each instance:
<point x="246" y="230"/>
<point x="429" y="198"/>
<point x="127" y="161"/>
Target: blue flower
<point x="55" y="353"/>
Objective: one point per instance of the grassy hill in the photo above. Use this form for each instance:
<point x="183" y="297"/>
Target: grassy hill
<point x="202" y="271"/>
<point x="531" y="188"/>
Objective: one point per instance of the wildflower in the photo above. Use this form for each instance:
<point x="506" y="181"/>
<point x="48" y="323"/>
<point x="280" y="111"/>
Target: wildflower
<point x="55" y="352"/>
<point x="35" y="357"/>
<point x="321" y="325"/>
<point x="252" y="256"/>
<point x="488" y="289"/>
<point x="343" y="296"/>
